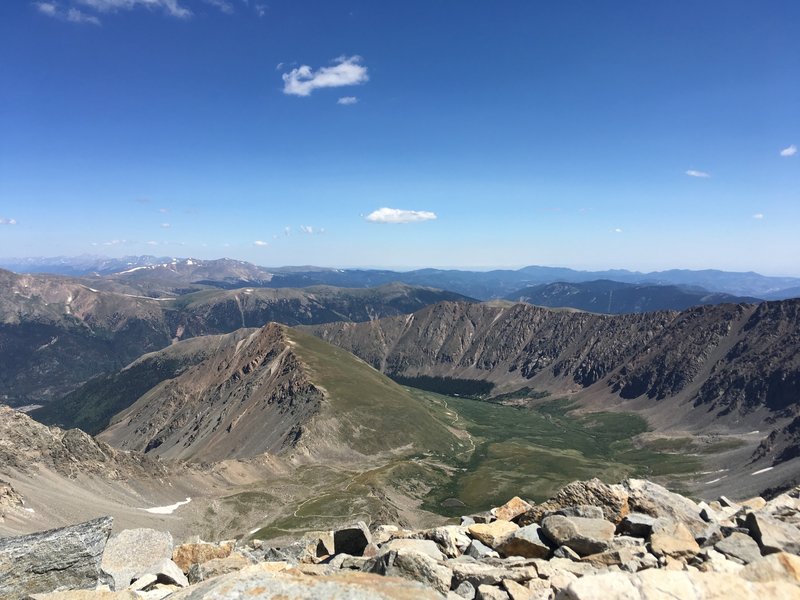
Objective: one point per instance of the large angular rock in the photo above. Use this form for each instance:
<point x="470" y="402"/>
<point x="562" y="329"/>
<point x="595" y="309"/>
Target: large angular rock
<point x="452" y="539"/>
<point x="657" y="501"/>
<point x="613" y="500"/>
<point x="491" y="533"/>
<point x="219" y="566"/>
<point x="772" y="534"/>
<point x="739" y="546"/>
<point x="165" y="571"/>
<point x="659" y="583"/>
<point x="132" y="551"/>
<point x="255" y="585"/>
<point x="479" y="573"/>
<point x="780" y="566"/>
<point x="584" y="536"/>
<point x="197" y="553"/>
<point x="410" y="564"/>
<point x="490" y="592"/>
<point x="527" y="542"/>
<point x="58" y="559"/>
<point x="636" y="524"/>
<point x="428" y="547"/>
<point x="352" y="540"/>
<point x="673" y="539"/>
<point x="511" y="509"/>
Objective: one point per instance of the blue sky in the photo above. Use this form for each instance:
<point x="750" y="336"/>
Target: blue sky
<point x="590" y="134"/>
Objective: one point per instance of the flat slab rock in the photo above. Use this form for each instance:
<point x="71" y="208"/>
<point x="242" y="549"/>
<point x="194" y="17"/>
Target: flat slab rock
<point x="132" y="552"/>
<point x="657" y="583"/>
<point x="584" y="536"/>
<point x="269" y="586"/>
<point x="58" y="559"/>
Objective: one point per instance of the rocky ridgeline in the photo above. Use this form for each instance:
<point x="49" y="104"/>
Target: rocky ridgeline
<point x="635" y="540"/>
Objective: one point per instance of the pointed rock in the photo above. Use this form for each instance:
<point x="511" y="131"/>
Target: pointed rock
<point x="58" y="559"/>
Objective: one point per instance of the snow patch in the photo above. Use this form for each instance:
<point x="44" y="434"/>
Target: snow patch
<point x="166" y="510"/>
<point x="716" y="480"/>
<point x="762" y="471"/>
<point x="30" y="510"/>
<point x="131" y="270"/>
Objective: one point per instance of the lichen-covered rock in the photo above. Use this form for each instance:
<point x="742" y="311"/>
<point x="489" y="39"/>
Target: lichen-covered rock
<point x="197" y="553"/>
<point x="657" y="501"/>
<point x="511" y="509"/>
<point x="491" y="533"/>
<point x="613" y="500"/>
<point x="58" y="559"/>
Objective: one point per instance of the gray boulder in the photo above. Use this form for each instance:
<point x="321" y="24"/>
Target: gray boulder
<point x="739" y="546"/>
<point x="527" y="542"/>
<point x="410" y="564"/>
<point x="657" y="501"/>
<point x="58" y="559"/>
<point x="773" y="535"/>
<point x="132" y="552"/>
<point x="636" y="524"/>
<point x="584" y="536"/>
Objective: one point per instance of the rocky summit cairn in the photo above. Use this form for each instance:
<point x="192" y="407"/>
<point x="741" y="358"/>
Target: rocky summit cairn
<point x="591" y="541"/>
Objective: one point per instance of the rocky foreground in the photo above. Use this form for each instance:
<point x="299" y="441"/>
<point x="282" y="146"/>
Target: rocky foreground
<point x="635" y="540"/>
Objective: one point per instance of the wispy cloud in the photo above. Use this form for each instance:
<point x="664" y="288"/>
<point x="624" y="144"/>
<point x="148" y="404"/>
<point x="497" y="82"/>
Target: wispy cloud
<point x="260" y="243"/>
<point x="617" y="230"/>
<point x="4" y="221"/>
<point x="789" y="151"/>
<point x="110" y="243"/>
<point x="308" y="229"/>
<point x="758" y="216"/>
<point x="302" y="80"/>
<point x="172" y="7"/>
<point x="261" y="9"/>
<point x="71" y="14"/>
<point x="222" y="5"/>
<point x="398" y="215"/>
<point x="163" y="210"/>
<point x="165" y="225"/>
<point x="695" y="173"/>
<point x="347" y="100"/>
<point x="152" y="243"/>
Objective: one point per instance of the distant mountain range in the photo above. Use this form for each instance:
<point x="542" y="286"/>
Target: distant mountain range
<point x="171" y="275"/>
<point x="613" y="297"/>
<point x="57" y="332"/>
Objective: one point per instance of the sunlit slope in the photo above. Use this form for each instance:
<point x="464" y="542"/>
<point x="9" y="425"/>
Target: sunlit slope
<point x="281" y="392"/>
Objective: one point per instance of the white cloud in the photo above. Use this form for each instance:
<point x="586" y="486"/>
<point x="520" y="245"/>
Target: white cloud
<point x="73" y="15"/>
<point x="307" y="229"/>
<point x="152" y="243"/>
<point x="758" y="216"/>
<point x="287" y="231"/>
<point x="694" y="173"/>
<point x="222" y="5"/>
<point x="397" y="215"/>
<point x="4" y="221"/>
<point x="165" y="225"/>
<point x="261" y="9"/>
<point x="163" y="210"/>
<point x="617" y="230"/>
<point x="347" y="100"/>
<point x="301" y="81"/>
<point x="279" y="66"/>
<point x="789" y="151"/>
<point x="260" y="243"/>
<point x="171" y="7"/>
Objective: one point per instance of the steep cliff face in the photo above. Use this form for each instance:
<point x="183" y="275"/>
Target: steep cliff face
<point x="271" y="390"/>
<point x="731" y="359"/>
<point x="248" y="398"/>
